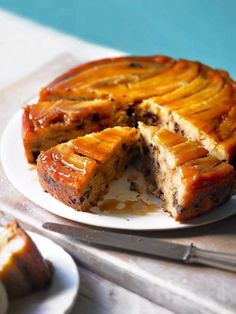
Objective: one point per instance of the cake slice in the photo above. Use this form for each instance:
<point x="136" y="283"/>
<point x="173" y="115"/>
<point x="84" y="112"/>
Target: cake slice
<point x="189" y="180"/>
<point x="22" y="267"/>
<point x="79" y="172"/>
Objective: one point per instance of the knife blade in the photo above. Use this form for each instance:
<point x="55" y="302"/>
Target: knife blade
<point x="147" y="245"/>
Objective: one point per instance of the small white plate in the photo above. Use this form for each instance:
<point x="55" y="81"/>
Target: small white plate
<point x="24" y="178"/>
<point x="59" y="298"/>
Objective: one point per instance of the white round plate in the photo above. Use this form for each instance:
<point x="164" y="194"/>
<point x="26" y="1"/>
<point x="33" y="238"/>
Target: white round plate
<point x="61" y="295"/>
<point x="24" y="178"/>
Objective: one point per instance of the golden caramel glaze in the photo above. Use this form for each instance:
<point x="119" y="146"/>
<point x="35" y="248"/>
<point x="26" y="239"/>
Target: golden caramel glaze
<point x="81" y="101"/>
<point x="154" y="89"/>
<point x="206" y="106"/>
<point x="191" y="159"/>
<point x="22" y="267"/>
<point x="204" y="171"/>
<point x="65" y="166"/>
<point x="102" y="145"/>
<point x="65" y="175"/>
<point x="44" y="114"/>
<point x="49" y="123"/>
<point x="107" y="78"/>
<point x="66" y="170"/>
<point x="178" y="149"/>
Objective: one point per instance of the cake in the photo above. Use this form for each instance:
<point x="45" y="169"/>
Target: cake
<point x="184" y="96"/>
<point x="78" y="126"/>
<point x="189" y="180"/>
<point x="22" y="267"/>
<point x="79" y="172"/>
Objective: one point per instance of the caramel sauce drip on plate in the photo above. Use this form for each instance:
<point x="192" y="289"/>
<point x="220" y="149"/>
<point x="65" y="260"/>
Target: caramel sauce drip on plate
<point x="134" y="207"/>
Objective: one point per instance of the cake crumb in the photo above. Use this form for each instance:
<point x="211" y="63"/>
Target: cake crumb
<point x="134" y="186"/>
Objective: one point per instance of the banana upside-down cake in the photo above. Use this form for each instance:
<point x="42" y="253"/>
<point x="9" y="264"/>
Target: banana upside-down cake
<point x="186" y="97"/>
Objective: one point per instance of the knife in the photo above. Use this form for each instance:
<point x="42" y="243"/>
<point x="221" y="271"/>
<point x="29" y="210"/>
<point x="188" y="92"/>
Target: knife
<point x="145" y="245"/>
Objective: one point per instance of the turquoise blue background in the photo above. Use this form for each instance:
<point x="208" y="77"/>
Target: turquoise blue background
<point x="196" y="29"/>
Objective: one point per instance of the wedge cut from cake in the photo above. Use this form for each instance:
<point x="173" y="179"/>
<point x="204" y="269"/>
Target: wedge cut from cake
<point x="189" y="180"/>
<point x="79" y="172"/>
<point x="22" y="267"/>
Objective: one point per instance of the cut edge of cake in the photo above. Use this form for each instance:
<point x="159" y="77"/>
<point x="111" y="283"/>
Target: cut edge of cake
<point x="222" y="145"/>
<point x="189" y="184"/>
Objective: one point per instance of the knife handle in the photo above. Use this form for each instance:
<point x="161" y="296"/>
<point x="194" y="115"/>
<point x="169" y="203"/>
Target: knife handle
<point x="223" y="261"/>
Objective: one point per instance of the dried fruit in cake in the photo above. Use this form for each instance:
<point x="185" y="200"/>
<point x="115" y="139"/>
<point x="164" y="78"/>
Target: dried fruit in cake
<point x="204" y="110"/>
<point x="22" y="267"/>
<point x="79" y="172"/>
<point x="191" y="182"/>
